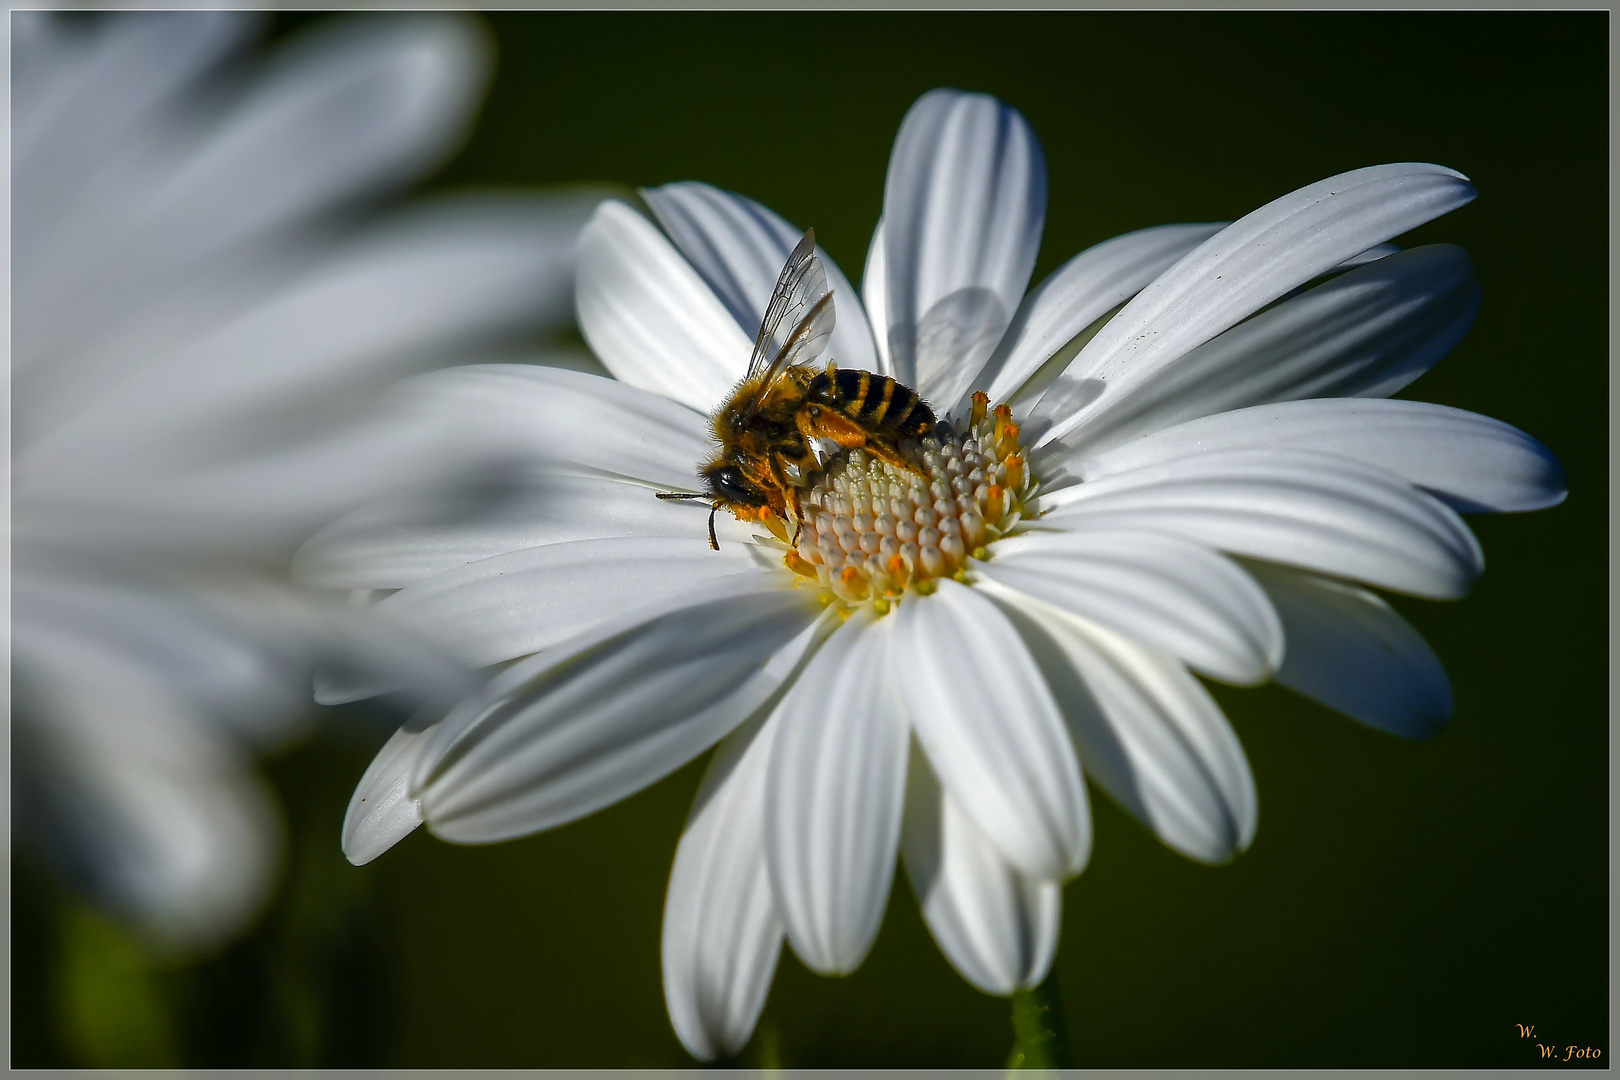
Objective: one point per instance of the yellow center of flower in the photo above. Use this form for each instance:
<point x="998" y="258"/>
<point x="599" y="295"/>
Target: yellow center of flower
<point x="873" y="530"/>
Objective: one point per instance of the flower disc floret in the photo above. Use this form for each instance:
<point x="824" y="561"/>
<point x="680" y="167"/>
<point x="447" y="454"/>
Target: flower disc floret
<point x="872" y="530"/>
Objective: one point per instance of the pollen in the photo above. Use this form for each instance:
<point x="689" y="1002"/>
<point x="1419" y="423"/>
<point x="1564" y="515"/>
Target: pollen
<point x="873" y="531"/>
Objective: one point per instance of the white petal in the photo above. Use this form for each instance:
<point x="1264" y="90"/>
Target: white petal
<point x="514" y="604"/>
<point x="1328" y="514"/>
<point x="241" y="664"/>
<point x="997" y="927"/>
<point x="138" y="795"/>
<point x="101" y="93"/>
<point x="426" y="283"/>
<point x="241" y="651"/>
<point x="217" y="501"/>
<point x="875" y="296"/>
<point x="721" y="935"/>
<point x="650" y="317"/>
<point x="381" y="811"/>
<point x="837" y="785"/>
<point x="343" y="108"/>
<point x="44" y="55"/>
<point x="363" y="657"/>
<point x="530" y="411"/>
<point x="406" y="539"/>
<point x="578" y="728"/>
<point x="1254" y="261"/>
<point x="1176" y="596"/>
<point x="1469" y="461"/>
<point x="346" y="108"/>
<point x="740" y="247"/>
<point x="1080" y="292"/>
<point x="1350" y="651"/>
<point x="1372" y="254"/>
<point x="1148" y="732"/>
<point x="963" y="208"/>
<point x="991" y="729"/>
<point x="1365" y="333"/>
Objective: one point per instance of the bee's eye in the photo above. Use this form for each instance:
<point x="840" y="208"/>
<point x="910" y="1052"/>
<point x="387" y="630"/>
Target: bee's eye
<point x="730" y="483"/>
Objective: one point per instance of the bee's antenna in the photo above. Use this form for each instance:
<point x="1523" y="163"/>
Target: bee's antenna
<point x="714" y="508"/>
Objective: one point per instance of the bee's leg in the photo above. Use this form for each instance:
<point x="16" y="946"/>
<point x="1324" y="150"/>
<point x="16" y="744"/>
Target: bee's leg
<point x="798" y="516"/>
<point x="816" y="421"/>
<point x="820" y="422"/>
<point x="790" y="493"/>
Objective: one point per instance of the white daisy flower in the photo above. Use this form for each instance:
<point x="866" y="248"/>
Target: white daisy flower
<point x="1195" y="471"/>
<point x="202" y="321"/>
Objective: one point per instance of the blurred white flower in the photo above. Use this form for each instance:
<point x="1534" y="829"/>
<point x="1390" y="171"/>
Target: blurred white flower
<point x="204" y="318"/>
<point x="1197" y="466"/>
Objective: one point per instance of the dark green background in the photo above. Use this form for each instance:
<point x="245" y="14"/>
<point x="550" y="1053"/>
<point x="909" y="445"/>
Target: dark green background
<point x="1403" y="903"/>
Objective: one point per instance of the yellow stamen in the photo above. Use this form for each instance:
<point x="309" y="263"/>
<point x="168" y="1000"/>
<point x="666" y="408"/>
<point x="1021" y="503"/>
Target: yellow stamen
<point x="799" y="565"/>
<point x="772" y="521"/>
<point x="1003" y="415"/>
<point x="850" y="585"/>
<point x="981" y="403"/>
<point x="1006" y="439"/>
<point x="1015" y="471"/>
<point x="900" y="572"/>
<point x="996" y="504"/>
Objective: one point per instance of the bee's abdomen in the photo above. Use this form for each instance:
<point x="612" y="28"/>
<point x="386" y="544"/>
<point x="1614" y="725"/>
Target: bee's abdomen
<point x="878" y="402"/>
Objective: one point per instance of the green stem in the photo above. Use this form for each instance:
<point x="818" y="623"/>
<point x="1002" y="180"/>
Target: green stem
<point x="1040" y="1034"/>
<point x="770" y="1048"/>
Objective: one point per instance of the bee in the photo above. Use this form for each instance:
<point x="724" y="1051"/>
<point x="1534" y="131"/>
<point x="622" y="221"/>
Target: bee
<point x="769" y="427"/>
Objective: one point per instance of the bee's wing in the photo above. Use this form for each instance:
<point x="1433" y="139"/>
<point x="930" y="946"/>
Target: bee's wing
<point x="799" y="319"/>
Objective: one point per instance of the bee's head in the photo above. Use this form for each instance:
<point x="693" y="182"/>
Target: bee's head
<point x="727" y="483"/>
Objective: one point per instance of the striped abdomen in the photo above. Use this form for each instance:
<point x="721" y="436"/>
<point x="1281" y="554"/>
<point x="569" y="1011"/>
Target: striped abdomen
<point x="876" y="402"/>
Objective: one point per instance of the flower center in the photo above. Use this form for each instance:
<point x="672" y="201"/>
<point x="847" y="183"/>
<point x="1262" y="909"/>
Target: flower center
<point x="872" y="530"/>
